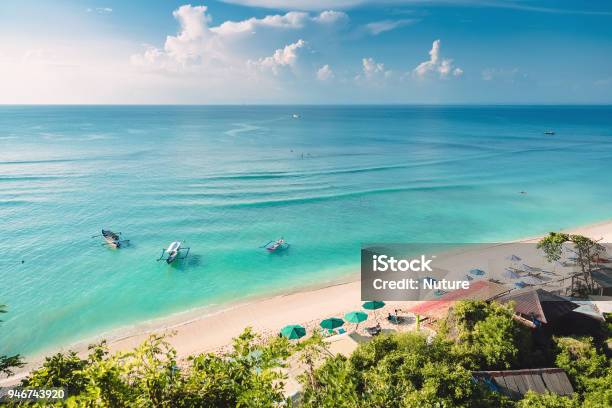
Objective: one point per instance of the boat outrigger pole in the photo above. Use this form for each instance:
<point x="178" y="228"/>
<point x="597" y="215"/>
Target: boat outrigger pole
<point x="277" y="245"/>
<point x="174" y="252"/>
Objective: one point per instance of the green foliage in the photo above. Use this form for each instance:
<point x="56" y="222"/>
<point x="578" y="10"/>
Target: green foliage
<point x="148" y="376"/>
<point x="400" y="370"/>
<point x="485" y="336"/>
<point x="60" y="370"/>
<point x="397" y="370"/>
<point x="7" y="363"/>
<point x="585" y="249"/>
<point x="548" y="400"/>
<point x="580" y="360"/>
<point x="552" y="245"/>
<point x="331" y="385"/>
<point x="589" y="370"/>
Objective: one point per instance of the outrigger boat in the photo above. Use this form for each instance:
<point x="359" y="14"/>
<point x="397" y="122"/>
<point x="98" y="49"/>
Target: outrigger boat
<point x="113" y="239"/>
<point x="173" y="252"/>
<point x="277" y="245"/>
<point x="549" y="132"/>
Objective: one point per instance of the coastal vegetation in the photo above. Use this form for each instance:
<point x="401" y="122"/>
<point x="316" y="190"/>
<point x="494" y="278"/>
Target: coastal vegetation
<point x="585" y="250"/>
<point x="391" y="370"/>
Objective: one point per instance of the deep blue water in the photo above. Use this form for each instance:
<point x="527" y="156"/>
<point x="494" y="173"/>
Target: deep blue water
<point x="229" y="179"/>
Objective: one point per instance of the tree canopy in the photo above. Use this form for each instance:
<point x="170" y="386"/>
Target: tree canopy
<point x="391" y="370"/>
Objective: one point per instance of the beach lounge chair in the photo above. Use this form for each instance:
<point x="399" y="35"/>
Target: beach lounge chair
<point x="341" y="330"/>
<point x="373" y="331"/>
<point x="510" y="274"/>
<point x="393" y="319"/>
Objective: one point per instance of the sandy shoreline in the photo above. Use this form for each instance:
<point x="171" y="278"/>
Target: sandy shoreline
<point x="212" y="330"/>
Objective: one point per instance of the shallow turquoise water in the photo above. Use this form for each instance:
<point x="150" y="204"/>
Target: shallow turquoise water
<point x="229" y="179"/>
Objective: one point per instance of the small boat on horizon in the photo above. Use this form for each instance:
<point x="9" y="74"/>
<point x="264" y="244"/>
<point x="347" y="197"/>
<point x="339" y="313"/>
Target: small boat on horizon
<point x="173" y="252"/>
<point x="295" y="116"/>
<point x="113" y="239"/>
<point x="549" y="132"/>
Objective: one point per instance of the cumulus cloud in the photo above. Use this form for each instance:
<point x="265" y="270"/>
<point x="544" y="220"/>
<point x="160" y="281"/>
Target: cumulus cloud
<point x="379" y="27"/>
<point x="443" y="67"/>
<point x="372" y="72"/>
<point x="199" y="45"/>
<point x="373" y="69"/>
<point x="283" y="57"/>
<point x="194" y="44"/>
<point x="325" y="73"/>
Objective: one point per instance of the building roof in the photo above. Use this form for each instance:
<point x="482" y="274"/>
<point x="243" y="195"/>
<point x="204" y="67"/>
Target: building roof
<point x="603" y="277"/>
<point x="438" y="309"/>
<point x="538" y="303"/>
<point x="516" y="383"/>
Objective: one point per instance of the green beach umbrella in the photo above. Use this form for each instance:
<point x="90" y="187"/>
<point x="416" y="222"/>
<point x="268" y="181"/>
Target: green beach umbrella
<point x="356" y="317"/>
<point x="332" y="323"/>
<point x="293" y="332"/>
<point x="373" y="305"/>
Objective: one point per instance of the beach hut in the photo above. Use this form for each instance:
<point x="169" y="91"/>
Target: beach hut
<point x="602" y="279"/>
<point x="539" y="305"/>
<point x="516" y="383"/>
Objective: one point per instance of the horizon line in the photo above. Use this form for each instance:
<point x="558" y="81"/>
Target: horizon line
<point x="602" y="104"/>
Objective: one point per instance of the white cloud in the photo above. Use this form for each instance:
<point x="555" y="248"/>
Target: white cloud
<point x="198" y="45"/>
<point x="331" y="17"/>
<point x="371" y="67"/>
<point x="194" y="45"/>
<point x="325" y="73"/>
<point x="379" y="27"/>
<point x="372" y="71"/>
<point x="290" y="20"/>
<point x="502" y="74"/>
<point x="100" y="10"/>
<point x="437" y="65"/>
<point x="283" y="57"/>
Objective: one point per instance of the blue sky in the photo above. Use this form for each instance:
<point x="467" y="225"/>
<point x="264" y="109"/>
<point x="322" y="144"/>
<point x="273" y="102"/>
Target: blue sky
<point x="306" y="51"/>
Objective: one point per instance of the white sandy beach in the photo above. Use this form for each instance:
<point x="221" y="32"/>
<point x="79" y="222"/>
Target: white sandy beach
<point x="213" y="332"/>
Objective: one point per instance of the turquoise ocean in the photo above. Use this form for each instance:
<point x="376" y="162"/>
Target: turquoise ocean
<point x="228" y="179"/>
